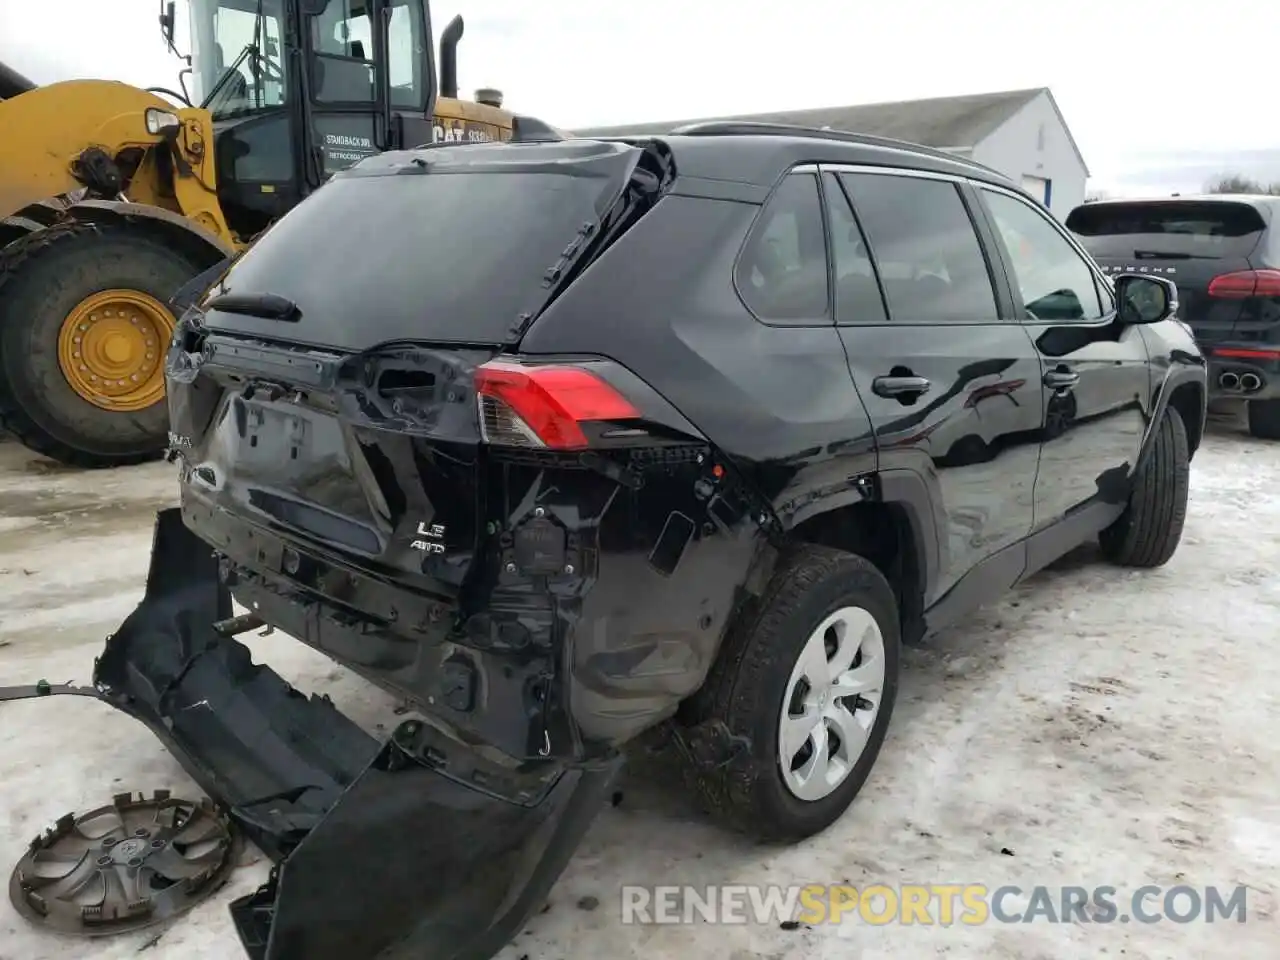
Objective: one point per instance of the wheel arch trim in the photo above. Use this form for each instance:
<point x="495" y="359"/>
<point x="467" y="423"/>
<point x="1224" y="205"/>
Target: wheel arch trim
<point x="1177" y="377"/>
<point x="908" y="492"/>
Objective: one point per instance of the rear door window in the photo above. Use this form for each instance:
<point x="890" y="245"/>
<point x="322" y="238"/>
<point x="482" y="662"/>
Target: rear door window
<point x="1055" y="282"/>
<point x="782" y="272"/>
<point x="858" y="297"/>
<point x="925" y="247"/>
<point x="1213" y="229"/>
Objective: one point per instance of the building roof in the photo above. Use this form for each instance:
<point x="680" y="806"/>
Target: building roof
<point x="951" y="123"/>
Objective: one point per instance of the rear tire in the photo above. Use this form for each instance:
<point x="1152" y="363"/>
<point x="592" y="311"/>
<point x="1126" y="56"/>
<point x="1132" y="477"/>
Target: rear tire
<point x="43" y="278"/>
<point x="748" y="686"/>
<point x="1264" y="419"/>
<point x="1149" y="530"/>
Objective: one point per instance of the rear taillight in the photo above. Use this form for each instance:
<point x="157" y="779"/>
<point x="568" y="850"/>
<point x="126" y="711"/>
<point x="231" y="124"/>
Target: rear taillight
<point x="1246" y="283"/>
<point x="544" y="406"/>
<point x="1245" y="353"/>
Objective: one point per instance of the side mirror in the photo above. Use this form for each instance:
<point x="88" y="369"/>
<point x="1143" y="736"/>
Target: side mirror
<point x="168" y="21"/>
<point x="1145" y="299"/>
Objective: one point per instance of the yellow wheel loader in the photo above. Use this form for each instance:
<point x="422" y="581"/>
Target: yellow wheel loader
<point x="112" y="197"/>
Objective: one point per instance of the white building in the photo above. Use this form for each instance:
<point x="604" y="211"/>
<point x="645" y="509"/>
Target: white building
<point x="1021" y="133"/>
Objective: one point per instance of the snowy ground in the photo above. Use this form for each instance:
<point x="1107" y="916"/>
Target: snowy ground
<point x="1097" y="727"/>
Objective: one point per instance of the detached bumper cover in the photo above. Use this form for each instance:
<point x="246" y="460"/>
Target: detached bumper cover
<point x="410" y="864"/>
<point x="382" y="850"/>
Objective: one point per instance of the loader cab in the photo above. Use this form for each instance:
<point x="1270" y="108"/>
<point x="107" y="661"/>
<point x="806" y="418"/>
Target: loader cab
<point x="301" y="89"/>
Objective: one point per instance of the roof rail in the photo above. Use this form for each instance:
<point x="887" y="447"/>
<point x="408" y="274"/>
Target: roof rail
<point x="747" y="128"/>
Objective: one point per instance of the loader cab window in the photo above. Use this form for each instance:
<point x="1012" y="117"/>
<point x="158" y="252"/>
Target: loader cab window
<point x="342" y="38"/>
<point x="237" y="56"/>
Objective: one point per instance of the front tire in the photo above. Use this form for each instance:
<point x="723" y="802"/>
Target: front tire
<point x="808" y="676"/>
<point x="1149" y="530"/>
<point x="46" y="280"/>
<point x="1264" y="419"/>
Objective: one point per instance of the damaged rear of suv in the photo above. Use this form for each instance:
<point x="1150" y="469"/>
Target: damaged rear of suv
<point x="558" y="442"/>
<point x="538" y="552"/>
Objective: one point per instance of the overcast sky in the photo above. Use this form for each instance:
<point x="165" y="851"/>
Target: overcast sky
<point x="1160" y="96"/>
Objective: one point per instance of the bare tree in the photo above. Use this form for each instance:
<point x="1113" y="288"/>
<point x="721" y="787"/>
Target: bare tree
<point x="1237" y="183"/>
<point x="1094" y="195"/>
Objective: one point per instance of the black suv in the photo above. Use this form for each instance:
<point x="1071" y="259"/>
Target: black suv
<point x="1223" y="252"/>
<point x="563" y="441"/>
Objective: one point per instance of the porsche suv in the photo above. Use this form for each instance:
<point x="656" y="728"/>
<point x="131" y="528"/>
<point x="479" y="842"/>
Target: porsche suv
<point x="561" y="441"/>
<point x="1223" y="253"/>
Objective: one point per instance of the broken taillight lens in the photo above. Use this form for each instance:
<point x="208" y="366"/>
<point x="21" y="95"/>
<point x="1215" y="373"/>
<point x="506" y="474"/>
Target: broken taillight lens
<point x="544" y="406"/>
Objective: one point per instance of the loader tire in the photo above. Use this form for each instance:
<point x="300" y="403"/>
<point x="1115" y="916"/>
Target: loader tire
<point x="46" y="276"/>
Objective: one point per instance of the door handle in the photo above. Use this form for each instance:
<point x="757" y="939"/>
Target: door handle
<point x="1061" y="379"/>
<point x="897" y="386"/>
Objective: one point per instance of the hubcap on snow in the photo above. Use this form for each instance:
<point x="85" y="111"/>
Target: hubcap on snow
<point x="831" y="703"/>
<point x="125" y="866"/>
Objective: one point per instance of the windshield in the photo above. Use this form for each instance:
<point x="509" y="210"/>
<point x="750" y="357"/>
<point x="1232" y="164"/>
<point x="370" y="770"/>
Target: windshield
<point x="236" y="56"/>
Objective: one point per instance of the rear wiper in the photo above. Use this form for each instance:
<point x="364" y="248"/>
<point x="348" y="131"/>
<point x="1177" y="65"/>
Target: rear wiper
<point x="1164" y="255"/>
<point x="268" y="306"/>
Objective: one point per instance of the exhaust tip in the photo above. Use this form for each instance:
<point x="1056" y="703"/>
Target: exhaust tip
<point x="1250" y="382"/>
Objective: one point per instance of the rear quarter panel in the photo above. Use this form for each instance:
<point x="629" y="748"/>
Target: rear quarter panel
<point x="777" y="400"/>
<point x="776" y="403"/>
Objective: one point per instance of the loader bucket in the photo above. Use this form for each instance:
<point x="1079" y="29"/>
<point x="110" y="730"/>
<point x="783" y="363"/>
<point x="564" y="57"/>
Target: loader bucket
<point x="381" y="849"/>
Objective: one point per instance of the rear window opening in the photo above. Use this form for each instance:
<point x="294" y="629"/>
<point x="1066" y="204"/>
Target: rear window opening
<point x="1190" y="228"/>
<point x="454" y="245"/>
